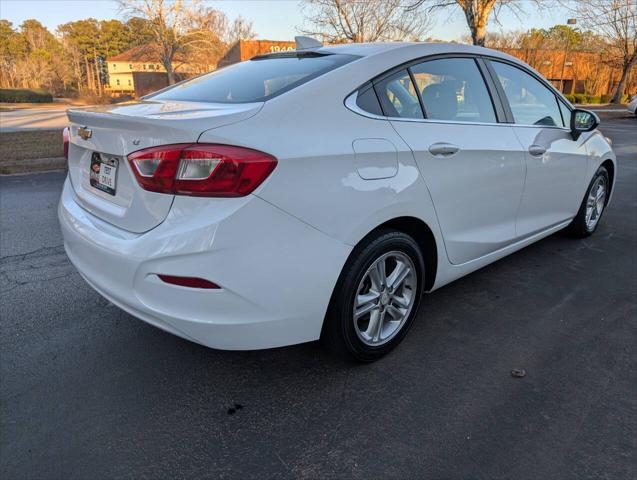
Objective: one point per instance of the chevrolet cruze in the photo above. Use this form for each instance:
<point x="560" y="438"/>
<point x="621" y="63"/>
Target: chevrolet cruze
<point x="318" y="193"/>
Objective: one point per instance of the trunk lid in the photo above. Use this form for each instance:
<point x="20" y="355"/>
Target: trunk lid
<point x="106" y="135"/>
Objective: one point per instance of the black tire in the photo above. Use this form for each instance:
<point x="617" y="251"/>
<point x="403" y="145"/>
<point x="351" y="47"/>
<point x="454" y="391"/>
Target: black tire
<point x="578" y="228"/>
<point x="339" y="332"/>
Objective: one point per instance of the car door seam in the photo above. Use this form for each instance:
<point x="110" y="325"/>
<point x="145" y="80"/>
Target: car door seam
<point x="424" y="180"/>
<point x="526" y="169"/>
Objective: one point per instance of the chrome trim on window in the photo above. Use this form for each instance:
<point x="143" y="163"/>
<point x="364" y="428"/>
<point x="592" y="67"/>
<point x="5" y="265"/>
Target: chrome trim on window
<point x="350" y="103"/>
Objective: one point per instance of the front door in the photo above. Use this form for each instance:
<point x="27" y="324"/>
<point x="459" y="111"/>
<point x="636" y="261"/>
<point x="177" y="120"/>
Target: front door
<point x="556" y="165"/>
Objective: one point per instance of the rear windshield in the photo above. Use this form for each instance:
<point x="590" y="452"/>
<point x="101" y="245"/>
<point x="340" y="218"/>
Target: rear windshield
<point x="255" y="80"/>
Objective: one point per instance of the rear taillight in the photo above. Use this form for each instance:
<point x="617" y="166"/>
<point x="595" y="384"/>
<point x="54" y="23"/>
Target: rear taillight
<point x="65" y="142"/>
<point x="204" y="170"/>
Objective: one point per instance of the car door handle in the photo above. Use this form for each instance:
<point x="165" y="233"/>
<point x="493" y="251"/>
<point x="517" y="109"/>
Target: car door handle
<point x="443" y="149"/>
<point x="537" y="150"/>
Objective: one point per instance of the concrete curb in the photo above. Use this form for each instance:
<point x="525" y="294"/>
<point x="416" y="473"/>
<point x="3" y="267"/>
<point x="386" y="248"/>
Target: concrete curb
<point x="32" y="165"/>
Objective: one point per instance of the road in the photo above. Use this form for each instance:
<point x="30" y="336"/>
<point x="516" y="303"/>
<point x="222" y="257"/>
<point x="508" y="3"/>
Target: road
<point x="88" y="391"/>
<point x="48" y="117"/>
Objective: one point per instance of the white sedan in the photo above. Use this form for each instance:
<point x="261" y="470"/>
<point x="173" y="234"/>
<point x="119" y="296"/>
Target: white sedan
<point x="318" y="193"/>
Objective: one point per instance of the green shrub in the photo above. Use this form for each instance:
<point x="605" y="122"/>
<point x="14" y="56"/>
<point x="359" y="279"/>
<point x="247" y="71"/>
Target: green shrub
<point x="23" y="95"/>
<point x="593" y="99"/>
<point x="570" y="97"/>
<point x="609" y="98"/>
<point x="580" y="98"/>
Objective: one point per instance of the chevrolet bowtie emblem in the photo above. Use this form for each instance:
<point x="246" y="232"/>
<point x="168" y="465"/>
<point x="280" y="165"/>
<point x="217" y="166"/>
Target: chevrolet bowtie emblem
<point x="85" y="132"/>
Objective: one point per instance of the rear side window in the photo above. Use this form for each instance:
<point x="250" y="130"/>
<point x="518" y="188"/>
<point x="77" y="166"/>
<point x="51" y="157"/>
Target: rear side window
<point x="368" y="101"/>
<point x="532" y="103"/>
<point x="398" y="96"/>
<point x="453" y="89"/>
<point x="255" y="80"/>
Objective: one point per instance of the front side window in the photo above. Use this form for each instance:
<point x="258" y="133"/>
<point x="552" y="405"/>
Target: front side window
<point x="255" y="80"/>
<point x="398" y="96"/>
<point x="532" y="103"/>
<point x="453" y="89"/>
<point x="566" y="114"/>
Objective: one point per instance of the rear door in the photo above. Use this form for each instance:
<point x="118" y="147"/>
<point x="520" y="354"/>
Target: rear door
<point x="556" y="165"/>
<point x="472" y="164"/>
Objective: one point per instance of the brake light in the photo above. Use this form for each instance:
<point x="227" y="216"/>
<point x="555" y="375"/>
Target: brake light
<point x="65" y="142"/>
<point x="206" y="170"/>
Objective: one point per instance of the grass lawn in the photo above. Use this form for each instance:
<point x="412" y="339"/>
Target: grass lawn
<point x="19" y="151"/>
<point x="15" y="146"/>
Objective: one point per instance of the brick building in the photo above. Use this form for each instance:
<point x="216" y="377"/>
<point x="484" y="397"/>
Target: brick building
<point x="246" y="49"/>
<point x="576" y="71"/>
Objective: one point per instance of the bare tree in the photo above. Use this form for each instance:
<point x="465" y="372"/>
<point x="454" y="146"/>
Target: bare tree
<point x="338" y="21"/>
<point x="476" y="12"/>
<point x="239" y="29"/>
<point x="216" y="34"/>
<point x="616" y="20"/>
<point x="180" y="27"/>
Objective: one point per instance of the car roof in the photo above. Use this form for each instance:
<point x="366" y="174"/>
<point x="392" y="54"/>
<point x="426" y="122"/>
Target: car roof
<point x="417" y="49"/>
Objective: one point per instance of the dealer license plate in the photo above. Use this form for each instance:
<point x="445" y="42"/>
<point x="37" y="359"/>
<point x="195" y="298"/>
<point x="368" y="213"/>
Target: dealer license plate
<point x="103" y="173"/>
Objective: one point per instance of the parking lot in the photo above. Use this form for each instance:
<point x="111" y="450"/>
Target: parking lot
<point x="87" y="391"/>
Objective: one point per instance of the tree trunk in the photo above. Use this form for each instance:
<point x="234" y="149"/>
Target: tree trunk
<point x="170" y="73"/>
<point x="622" y="81"/>
<point x="77" y="70"/>
<point x="171" y="77"/>
<point x="478" y="35"/>
<point x="478" y="25"/>
<point x="89" y="83"/>
<point x="98" y="73"/>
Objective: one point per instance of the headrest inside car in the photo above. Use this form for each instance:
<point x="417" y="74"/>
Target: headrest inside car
<point x="440" y="100"/>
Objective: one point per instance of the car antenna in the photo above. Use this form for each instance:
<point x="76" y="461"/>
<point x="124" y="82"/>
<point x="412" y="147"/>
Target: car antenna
<point x="307" y="43"/>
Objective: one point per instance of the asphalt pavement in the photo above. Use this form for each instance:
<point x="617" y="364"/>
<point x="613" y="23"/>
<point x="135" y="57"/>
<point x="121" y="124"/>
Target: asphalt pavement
<point x="46" y="117"/>
<point x="87" y="391"/>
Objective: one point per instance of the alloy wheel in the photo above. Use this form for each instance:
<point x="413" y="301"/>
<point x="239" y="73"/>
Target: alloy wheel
<point x="595" y="202"/>
<point x="384" y="299"/>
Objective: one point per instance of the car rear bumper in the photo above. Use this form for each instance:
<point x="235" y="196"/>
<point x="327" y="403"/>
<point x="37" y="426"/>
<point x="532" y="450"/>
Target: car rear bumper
<point x="276" y="273"/>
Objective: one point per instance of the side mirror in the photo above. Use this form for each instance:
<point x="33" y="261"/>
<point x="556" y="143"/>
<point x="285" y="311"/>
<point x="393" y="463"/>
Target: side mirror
<point x="582" y="121"/>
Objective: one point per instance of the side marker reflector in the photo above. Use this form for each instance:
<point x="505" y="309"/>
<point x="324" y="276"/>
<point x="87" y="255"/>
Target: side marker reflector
<point x="191" y="282"/>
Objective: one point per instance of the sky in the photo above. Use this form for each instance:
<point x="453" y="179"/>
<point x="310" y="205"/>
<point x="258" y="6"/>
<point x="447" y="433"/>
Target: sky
<point x="272" y="19"/>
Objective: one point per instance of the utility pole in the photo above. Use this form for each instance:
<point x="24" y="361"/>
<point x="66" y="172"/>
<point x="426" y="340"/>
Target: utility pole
<point x="570" y="21"/>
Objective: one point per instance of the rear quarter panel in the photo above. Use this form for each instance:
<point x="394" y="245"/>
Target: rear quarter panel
<point x="317" y="179"/>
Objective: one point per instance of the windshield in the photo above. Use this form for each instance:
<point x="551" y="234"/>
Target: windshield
<point x="255" y="80"/>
